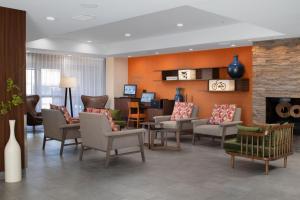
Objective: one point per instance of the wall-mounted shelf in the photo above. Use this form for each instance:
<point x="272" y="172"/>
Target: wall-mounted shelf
<point x="195" y="74"/>
<point x="228" y="85"/>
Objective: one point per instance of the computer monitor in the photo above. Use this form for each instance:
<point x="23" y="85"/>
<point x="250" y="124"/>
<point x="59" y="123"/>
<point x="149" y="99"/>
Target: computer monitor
<point x="130" y="90"/>
<point x="147" y="97"/>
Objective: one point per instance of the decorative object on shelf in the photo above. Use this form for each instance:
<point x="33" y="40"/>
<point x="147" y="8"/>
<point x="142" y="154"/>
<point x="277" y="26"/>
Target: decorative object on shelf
<point x="235" y="69"/>
<point x="171" y="78"/>
<point x="68" y="83"/>
<point x="221" y="85"/>
<point x="12" y="156"/>
<point x="179" y="96"/>
<point x="12" y="151"/>
<point x="187" y="74"/>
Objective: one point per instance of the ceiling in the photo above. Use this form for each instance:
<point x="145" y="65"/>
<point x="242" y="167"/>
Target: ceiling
<point x="153" y="24"/>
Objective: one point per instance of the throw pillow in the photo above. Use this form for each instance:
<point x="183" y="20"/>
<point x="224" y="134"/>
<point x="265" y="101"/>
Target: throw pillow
<point x="222" y="113"/>
<point x="107" y="113"/>
<point x="182" y="110"/>
<point x="69" y="119"/>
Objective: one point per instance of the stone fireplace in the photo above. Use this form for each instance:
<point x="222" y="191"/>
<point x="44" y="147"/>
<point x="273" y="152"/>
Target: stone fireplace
<point x="276" y="73"/>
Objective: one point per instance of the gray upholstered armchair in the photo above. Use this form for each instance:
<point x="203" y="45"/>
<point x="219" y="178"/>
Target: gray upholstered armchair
<point x="202" y="127"/>
<point x="176" y="126"/>
<point x="56" y="128"/>
<point x="97" y="134"/>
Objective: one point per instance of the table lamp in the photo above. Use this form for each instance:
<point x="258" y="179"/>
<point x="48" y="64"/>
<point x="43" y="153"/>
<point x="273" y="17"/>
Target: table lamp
<point x="68" y="83"/>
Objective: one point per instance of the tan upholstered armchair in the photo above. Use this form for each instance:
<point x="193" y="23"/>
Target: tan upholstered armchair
<point x="97" y="134"/>
<point x="176" y="126"/>
<point x="202" y="127"/>
<point x="56" y="128"/>
<point x="94" y="101"/>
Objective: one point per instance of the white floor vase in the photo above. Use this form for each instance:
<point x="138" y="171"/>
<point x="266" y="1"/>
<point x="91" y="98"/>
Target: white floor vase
<point x="12" y="157"/>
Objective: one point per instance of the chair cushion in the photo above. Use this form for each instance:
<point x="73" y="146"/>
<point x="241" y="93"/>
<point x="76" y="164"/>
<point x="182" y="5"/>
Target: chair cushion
<point x="182" y="110"/>
<point x="107" y="113"/>
<point x="69" y="119"/>
<point x="222" y="113"/>
<point x="232" y="145"/>
<point x="208" y="129"/>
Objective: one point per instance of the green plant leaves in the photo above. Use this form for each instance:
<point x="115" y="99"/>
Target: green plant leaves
<point x="15" y="99"/>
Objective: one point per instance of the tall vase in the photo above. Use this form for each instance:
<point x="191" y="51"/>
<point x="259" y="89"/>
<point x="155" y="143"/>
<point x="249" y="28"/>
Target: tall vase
<point x="12" y="157"/>
<point x="179" y="96"/>
<point x="235" y="69"/>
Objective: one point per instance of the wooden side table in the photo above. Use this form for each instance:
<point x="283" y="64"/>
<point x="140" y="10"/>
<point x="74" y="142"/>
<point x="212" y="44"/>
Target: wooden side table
<point x="150" y="126"/>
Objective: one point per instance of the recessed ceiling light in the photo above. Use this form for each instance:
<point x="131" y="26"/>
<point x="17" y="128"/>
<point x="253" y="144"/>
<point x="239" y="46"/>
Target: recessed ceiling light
<point x="191" y="49"/>
<point x="89" y="5"/>
<point x="89" y="41"/>
<point x="233" y="45"/>
<point x="127" y="34"/>
<point x="179" y="25"/>
<point x="83" y="17"/>
<point x="50" y="18"/>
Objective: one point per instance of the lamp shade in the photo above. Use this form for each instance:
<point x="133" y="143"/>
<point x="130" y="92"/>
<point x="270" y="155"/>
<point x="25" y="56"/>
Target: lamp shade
<point x="67" y="82"/>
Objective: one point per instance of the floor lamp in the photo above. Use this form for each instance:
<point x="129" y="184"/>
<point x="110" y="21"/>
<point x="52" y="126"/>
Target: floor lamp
<point x="68" y="83"/>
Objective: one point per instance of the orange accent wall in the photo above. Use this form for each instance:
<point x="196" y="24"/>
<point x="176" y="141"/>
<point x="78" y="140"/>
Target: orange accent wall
<point x="144" y="71"/>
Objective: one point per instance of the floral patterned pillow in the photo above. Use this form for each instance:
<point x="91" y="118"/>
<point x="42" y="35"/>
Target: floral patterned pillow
<point x="107" y="113"/>
<point x="65" y="112"/>
<point x="222" y="113"/>
<point x="182" y="110"/>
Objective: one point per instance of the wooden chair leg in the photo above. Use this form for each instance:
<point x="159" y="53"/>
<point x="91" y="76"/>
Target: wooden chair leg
<point x="142" y="147"/>
<point x="33" y="129"/>
<point x="62" y="147"/>
<point x="232" y="161"/>
<point x="178" y="139"/>
<point x="76" y="141"/>
<point x="81" y="153"/>
<point x="62" y="143"/>
<point x="285" y="162"/>
<point x="193" y="139"/>
<point x="44" y="142"/>
<point x="116" y="152"/>
<point x="266" y="167"/>
<point x="108" y="150"/>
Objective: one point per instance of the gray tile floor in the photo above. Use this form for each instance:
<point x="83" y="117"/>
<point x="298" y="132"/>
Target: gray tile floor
<point x="197" y="172"/>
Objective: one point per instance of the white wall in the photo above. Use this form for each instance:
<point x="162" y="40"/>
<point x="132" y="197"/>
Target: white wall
<point x="116" y="77"/>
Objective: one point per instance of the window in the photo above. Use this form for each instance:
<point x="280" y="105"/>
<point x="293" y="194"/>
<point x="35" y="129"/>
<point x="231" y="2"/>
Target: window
<point x="44" y="72"/>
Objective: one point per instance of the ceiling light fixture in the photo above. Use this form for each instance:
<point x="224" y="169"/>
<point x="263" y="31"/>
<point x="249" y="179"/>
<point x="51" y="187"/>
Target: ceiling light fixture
<point x="127" y="34"/>
<point x="233" y="45"/>
<point x="191" y="49"/>
<point x="50" y="18"/>
<point x="89" y="41"/>
<point x="179" y="25"/>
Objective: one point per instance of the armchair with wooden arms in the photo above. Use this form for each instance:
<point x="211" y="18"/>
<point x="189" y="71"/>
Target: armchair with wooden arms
<point x="177" y="126"/>
<point x="269" y="143"/>
<point x="202" y="127"/>
<point x="97" y="134"/>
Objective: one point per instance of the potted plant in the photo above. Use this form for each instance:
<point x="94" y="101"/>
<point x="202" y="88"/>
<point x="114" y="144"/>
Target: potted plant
<point x="12" y="152"/>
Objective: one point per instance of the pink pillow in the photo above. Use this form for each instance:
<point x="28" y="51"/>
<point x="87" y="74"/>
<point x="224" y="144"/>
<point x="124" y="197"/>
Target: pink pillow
<point x="69" y="119"/>
<point x="222" y="113"/>
<point x="182" y="110"/>
<point x="107" y="113"/>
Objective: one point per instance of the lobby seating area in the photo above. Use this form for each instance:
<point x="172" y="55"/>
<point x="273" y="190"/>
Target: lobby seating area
<point x="149" y="100"/>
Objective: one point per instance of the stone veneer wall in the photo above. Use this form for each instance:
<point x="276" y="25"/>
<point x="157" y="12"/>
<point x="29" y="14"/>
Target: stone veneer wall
<point x="276" y="72"/>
